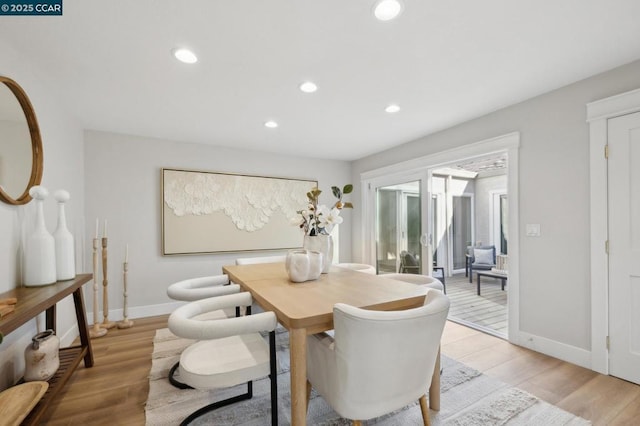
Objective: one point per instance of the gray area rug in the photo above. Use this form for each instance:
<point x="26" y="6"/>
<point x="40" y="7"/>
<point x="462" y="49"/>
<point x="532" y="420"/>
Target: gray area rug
<point x="468" y="398"/>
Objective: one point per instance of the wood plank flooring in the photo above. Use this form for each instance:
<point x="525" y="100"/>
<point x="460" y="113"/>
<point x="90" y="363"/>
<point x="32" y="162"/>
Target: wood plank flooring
<point x="114" y="391"/>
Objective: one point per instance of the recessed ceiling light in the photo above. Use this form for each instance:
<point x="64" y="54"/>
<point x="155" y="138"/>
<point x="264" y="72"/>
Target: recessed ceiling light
<point x="185" y="55"/>
<point x="308" y="87"/>
<point x="392" y="108"/>
<point x="270" y="124"/>
<point x="386" y="10"/>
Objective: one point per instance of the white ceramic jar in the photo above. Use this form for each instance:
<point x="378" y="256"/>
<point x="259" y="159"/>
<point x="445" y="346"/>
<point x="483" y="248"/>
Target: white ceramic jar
<point x="41" y="357"/>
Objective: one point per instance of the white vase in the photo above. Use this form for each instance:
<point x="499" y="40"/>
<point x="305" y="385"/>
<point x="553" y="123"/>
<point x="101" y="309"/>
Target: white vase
<point x="40" y="249"/>
<point x="65" y="254"/>
<point x="303" y="265"/>
<point x="323" y="244"/>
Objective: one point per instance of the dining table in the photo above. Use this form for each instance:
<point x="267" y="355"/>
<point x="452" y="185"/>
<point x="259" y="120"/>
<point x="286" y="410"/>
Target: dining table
<point x="307" y="308"/>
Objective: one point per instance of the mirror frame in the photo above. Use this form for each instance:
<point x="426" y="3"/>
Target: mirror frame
<point x="36" y="143"/>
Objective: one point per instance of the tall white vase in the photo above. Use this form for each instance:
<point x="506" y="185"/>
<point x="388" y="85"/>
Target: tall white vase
<point x="65" y="254"/>
<point x="40" y="249"/>
<point x="323" y="244"/>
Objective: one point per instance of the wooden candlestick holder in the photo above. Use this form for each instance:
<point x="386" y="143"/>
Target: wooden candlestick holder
<point x="105" y="284"/>
<point x="96" y="330"/>
<point x="126" y="322"/>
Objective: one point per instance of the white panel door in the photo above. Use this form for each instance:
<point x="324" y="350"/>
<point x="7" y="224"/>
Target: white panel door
<point x="624" y="246"/>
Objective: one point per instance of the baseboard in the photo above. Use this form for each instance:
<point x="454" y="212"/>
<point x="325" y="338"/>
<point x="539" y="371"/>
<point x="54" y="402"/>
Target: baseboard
<point x="568" y="353"/>
<point x="139" y="311"/>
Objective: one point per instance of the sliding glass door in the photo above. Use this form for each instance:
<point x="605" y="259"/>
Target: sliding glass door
<point x="396" y="223"/>
<point x="398" y="228"/>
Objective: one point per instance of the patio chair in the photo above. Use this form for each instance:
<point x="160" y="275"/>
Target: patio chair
<point x="409" y="263"/>
<point x="479" y="258"/>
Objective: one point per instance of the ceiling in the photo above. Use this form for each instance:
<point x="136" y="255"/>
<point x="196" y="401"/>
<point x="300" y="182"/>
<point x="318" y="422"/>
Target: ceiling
<point x="443" y="63"/>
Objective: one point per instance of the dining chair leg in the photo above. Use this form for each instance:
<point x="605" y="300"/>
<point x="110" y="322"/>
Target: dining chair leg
<point x="425" y="410"/>
<point x="273" y="375"/>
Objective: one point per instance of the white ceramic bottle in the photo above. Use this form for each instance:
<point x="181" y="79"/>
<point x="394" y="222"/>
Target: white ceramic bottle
<point x="65" y="254"/>
<point x="40" y="250"/>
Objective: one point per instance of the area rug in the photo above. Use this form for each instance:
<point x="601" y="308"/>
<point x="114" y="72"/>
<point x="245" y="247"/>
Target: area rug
<point x="468" y="398"/>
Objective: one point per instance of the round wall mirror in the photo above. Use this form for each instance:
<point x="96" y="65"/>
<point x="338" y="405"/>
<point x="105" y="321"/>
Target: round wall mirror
<point x="20" y="144"/>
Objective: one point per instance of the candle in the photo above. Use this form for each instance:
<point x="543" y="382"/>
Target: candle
<point x="97" y="225"/>
<point x="126" y="254"/>
<point x="104" y="235"/>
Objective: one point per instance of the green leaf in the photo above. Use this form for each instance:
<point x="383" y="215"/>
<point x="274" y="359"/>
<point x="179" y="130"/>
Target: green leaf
<point x="347" y="189"/>
<point x="347" y="205"/>
<point x="336" y="192"/>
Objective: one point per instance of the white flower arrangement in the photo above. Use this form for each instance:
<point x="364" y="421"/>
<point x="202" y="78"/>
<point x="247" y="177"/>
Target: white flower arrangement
<point x="318" y="219"/>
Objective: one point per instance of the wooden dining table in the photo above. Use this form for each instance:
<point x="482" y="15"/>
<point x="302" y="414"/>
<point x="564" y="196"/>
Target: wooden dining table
<point x="307" y="308"/>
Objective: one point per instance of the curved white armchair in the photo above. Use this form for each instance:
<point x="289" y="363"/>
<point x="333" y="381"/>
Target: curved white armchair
<point x="262" y="259"/>
<point x="201" y="288"/>
<point x="360" y="267"/>
<point x="379" y="361"/>
<point x="198" y="289"/>
<point x="229" y="351"/>
<point x="421" y="280"/>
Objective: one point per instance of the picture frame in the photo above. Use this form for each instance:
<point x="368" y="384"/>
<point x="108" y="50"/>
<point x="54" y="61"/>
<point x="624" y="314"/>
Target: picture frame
<point x="215" y="212"/>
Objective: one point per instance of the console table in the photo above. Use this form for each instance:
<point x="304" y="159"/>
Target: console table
<point x="31" y="302"/>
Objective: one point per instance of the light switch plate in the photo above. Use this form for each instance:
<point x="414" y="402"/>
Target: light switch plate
<point x="533" y="229"/>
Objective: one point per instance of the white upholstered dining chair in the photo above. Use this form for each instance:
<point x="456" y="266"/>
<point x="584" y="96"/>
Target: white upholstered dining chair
<point x="378" y="361"/>
<point x="228" y="352"/>
<point x="360" y="267"/>
<point x="197" y="289"/>
<point x="418" y="279"/>
<point x="201" y="288"/>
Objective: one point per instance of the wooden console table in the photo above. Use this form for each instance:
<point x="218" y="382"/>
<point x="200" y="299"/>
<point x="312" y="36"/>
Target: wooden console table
<point x="31" y="302"/>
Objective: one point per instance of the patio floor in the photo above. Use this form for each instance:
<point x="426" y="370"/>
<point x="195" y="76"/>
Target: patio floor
<point x="487" y="312"/>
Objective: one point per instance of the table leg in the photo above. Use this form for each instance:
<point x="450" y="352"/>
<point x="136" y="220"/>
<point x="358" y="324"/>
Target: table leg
<point x="298" y="357"/>
<point x="478" y="284"/>
<point x="85" y="341"/>
<point x="50" y="318"/>
<point x="434" y="389"/>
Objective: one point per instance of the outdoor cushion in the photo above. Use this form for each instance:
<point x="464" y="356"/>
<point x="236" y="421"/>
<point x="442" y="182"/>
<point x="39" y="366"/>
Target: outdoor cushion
<point x="483" y="256"/>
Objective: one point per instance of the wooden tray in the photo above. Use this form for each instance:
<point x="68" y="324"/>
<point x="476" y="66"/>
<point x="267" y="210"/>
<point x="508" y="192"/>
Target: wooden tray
<point x="17" y="401"/>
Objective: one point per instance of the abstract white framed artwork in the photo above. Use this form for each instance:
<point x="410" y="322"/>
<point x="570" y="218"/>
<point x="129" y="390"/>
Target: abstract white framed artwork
<point x="209" y="212"/>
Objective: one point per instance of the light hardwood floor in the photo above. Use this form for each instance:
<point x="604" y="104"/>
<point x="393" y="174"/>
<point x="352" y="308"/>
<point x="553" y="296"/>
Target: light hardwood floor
<point x="114" y="391"/>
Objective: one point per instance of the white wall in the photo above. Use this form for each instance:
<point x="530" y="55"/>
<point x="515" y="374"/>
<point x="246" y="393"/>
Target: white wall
<point x="123" y="187"/>
<point x="553" y="192"/>
<point x="63" y="168"/>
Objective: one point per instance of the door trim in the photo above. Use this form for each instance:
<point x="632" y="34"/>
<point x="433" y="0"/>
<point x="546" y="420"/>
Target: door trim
<point x="509" y="142"/>
<point x="598" y="114"/>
